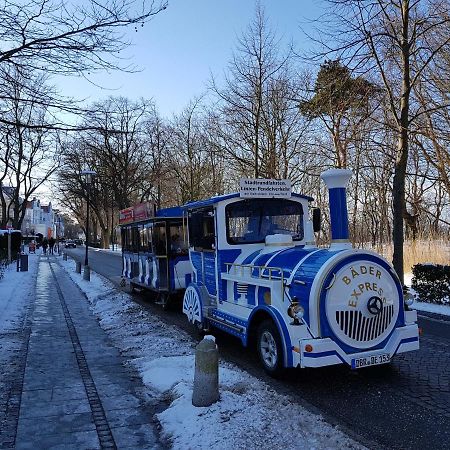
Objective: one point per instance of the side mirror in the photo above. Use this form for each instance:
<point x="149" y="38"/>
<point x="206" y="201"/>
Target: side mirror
<point x="316" y="219"/>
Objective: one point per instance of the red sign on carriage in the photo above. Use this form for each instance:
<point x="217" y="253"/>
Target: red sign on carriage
<point x="137" y="213"/>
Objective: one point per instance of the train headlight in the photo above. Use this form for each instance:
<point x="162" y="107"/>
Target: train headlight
<point x="409" y="299"/>
<point x="296" y="312"/>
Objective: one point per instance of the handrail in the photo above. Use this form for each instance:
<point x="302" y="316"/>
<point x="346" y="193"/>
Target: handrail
<point x="261" y="269"/>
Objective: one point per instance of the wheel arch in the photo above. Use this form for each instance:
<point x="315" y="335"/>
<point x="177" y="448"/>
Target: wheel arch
<point x="259" y="315"/>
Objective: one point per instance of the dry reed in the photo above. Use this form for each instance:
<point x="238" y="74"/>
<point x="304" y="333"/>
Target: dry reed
<point x="420" y="251"/>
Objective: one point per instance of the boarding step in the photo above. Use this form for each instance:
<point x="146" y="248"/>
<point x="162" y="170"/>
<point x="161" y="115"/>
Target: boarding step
<point x="220" y="319"/>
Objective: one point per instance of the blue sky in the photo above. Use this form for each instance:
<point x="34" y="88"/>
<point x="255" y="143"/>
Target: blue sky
<point x="183" y="45"/>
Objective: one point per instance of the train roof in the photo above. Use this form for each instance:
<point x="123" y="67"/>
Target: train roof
<point x="175" y="211"/>
<point x="220" y="198"/>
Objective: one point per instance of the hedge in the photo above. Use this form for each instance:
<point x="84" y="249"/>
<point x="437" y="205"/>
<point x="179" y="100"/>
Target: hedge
<point x="432" y="283"/>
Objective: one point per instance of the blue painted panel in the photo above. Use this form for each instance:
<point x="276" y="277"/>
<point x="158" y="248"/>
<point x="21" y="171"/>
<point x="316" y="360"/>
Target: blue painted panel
<point x="196" y="259"/>
<point x="209" y="264"/>
<point x="306" y="273"/>
<point x="338" y="213"/>
<point x="225" y="256"/>
<point x="289" y="258"/>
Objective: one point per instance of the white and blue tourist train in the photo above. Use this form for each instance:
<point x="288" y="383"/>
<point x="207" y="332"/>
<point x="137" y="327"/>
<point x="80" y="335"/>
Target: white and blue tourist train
<point x="154" y="250"/>
<point x="257" y="274"/>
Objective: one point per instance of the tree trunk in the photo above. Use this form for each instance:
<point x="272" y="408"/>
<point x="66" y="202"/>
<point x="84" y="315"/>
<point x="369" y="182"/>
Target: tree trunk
<point x="398" y="203"/>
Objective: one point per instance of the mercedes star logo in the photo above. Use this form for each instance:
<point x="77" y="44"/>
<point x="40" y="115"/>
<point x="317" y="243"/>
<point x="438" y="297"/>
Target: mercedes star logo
<point x="375" y="305"/>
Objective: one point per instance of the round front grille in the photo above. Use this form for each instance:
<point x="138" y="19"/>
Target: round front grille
<point x="362" y="304"/>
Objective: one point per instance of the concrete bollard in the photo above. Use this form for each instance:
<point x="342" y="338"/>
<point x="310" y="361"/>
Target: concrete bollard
<point x="206" y="377"/>
<point x="65" y="256"/>
<point x="78" y="267"/>
<point x="87" y="273"/>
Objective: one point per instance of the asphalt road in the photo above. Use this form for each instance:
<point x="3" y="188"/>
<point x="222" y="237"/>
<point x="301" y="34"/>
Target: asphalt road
<point x="405" y="405"/>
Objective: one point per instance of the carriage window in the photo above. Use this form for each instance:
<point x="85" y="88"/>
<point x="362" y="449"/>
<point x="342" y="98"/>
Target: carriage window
<point x="201" y="229"/>
<point x="178" y="244"/>
<point x="146" y="238"/>
<point x="126" y="238"/>
<point x="250" y="221"/>
<point x="135" y="238"/>
<point x="159" y="239"/>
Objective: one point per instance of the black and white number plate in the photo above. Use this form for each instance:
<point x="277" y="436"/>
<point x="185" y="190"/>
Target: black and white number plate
<point x="373" y="360"/>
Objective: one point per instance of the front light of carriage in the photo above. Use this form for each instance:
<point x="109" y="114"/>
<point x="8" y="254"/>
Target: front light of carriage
<point x="409" y="299"/>
<point x="295" y="311"/>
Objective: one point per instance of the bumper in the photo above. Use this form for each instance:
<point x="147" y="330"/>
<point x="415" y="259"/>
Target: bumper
<point x="326" y="352"/>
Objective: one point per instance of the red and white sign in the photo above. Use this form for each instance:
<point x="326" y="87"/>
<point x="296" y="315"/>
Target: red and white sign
<point x="137" y="213"/>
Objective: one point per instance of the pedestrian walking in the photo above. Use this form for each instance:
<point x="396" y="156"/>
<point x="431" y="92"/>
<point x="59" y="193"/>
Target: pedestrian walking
<point x="45" y="245"/>
<point x="51" y="244"/>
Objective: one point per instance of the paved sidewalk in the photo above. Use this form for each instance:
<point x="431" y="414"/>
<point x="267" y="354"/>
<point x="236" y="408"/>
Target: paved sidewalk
<point x="76" y="393"/>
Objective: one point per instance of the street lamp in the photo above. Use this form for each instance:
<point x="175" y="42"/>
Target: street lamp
<point x="88" y="176"/>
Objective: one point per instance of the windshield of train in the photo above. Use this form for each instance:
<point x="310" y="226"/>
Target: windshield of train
<point x="250" y="221"/>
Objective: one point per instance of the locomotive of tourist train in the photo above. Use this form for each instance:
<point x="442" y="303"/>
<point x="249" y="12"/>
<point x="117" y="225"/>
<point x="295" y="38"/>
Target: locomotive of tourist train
<point x="256" y="273"/>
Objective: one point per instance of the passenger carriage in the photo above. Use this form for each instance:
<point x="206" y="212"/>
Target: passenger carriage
<point x="257" y="273"/>
<point x="154" y="250"/>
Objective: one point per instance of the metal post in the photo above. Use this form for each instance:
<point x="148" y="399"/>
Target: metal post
<point x="9" y="247"/>
<point x="86" y="262"/>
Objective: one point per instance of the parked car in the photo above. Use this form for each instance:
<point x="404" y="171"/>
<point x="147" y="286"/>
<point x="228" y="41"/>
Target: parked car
<point x="70" y="244"/>
<point x="78" y="241"/>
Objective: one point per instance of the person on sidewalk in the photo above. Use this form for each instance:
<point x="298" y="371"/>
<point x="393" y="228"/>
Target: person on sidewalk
<point x="51" y="244"/>
<point x="45" y="245"/>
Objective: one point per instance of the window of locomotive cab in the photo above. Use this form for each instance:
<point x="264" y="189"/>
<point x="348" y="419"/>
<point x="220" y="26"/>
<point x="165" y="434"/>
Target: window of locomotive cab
<point x="159" y="239"/>
<point x="178" y="244"/>
<point x="202" y="234"/>
<point x="250" y="221"/>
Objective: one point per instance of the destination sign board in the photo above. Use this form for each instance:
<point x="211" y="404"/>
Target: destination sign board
<point x="259" y="187"/>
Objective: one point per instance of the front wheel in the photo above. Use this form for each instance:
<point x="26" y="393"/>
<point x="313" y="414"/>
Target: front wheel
<point x="269" y="348"/>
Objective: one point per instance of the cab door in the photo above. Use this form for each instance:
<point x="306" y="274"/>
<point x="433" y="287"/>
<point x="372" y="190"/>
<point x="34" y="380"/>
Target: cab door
<point x="202" y="240"/>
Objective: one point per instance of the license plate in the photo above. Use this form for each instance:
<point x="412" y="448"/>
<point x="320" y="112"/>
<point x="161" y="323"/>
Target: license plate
<point x="373" y="360"/>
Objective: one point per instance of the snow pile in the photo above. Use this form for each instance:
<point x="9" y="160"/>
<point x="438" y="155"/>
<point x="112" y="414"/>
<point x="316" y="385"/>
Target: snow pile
<point x="15" y="289"/>
<point x="249" y="415"/>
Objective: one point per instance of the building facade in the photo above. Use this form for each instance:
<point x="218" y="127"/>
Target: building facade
<point x="43" y="220"/>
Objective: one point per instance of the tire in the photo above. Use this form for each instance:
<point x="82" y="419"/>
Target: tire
<point x="269" y="348"/>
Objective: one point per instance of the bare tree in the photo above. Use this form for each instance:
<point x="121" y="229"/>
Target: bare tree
<point x="396" y="40"/>
<point x="58" y="36"/>
<point x="251" y="73"/>
<point x="28" y="153"/>
<point x="115" y="144"/>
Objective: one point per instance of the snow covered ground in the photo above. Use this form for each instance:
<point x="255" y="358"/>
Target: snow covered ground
<point x="15" y="291"/>
<point x="15" y="288"/>
<point x="249" y="415"/>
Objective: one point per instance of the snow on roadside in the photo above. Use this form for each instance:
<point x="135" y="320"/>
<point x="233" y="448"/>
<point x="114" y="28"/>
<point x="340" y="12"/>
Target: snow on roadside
<point x="425" y="306"/>
<point x="249" y="415"/>
<point x="15" y="288"/>
<point x="16" y="291"/>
